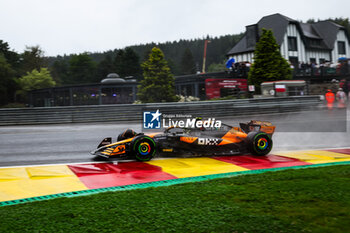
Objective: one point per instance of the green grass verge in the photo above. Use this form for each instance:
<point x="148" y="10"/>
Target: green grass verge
<point x="312" y="199"/>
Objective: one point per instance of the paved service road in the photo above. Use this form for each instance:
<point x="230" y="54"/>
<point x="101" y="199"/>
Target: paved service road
<point x="71" y="143"/>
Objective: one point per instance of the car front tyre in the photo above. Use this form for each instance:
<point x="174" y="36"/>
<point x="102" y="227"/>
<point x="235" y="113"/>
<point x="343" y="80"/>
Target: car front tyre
<point x="143" y="148"/>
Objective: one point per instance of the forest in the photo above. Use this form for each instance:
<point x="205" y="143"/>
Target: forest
<point x="183" y="56"/>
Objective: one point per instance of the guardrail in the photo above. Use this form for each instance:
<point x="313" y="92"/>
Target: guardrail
<point x="133" y="112"/>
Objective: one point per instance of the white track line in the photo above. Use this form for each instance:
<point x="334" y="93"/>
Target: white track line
<point x="59" y="164"/>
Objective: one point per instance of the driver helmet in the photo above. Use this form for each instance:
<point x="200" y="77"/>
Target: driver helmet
<point x="128" y="133"/>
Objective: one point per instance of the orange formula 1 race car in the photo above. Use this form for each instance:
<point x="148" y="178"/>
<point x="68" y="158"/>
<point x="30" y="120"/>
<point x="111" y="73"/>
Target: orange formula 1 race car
<point x="253" y="137"/>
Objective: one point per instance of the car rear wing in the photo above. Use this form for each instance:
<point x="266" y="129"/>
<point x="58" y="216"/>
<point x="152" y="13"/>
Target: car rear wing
<point x="264" y="126"/>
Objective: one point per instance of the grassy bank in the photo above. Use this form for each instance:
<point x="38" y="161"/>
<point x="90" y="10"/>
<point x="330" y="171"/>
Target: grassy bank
<point x="313" y="199"/>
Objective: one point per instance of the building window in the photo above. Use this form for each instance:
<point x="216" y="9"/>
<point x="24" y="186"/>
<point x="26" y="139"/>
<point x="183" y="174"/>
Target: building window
<point x="292" y="43"/>
<point x="341" y="47"/>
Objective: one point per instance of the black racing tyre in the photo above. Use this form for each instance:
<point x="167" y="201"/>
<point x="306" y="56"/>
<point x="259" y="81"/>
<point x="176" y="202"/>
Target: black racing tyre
<point x="143" y="148"/>
<point x="259" y="143"/>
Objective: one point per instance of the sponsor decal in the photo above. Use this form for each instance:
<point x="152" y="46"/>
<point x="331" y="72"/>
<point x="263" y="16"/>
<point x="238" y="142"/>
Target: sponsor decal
<point x="192" y="123"/>
<point x="168" y="150"/>
<point x="208" y="141"/>
<point x="280" y="88"/>
<point x="119" y="150"/>
<point x="188" y="139"/>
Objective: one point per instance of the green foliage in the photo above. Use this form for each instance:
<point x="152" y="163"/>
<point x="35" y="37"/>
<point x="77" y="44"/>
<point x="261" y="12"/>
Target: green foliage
<point x="158" y="82"/>
<point x="119" y="63"/>
<point x="105" y="67"/>
<point x="59" y="71"/>
<point x="82" y="69"/>
<point x="188" y="66"/>
<point x="216" y="50"/>
<point x="7" y="83"/>
<point x="303" y="200"/>
<point x="11" y="57"/>
<point x="36" y="80"/>
<point x="132" y="63"/>
<point x="32" y="59"/>
<point x="217" y="67"/>
<point x="127" y="63"/>
<point x="93" y="67"/>
<point x="174" y="69"/>
<point x="9" y="69"/>
<point x="268" y="64"/>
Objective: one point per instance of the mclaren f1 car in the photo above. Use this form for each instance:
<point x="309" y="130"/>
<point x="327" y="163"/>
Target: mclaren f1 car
<point x="253" y="137"/>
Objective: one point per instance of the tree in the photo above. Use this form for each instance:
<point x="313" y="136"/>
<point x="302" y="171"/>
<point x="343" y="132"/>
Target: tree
<point x="216" y="52"/>
<point x="132" y="63"/>
<point x="9" y="66"/>
<point x="127" y="63"/>
<point x="158" y="82"/>
<point x="82" y="69"/>
<point x="59" y="71"/>
<point x="7" y="83"/>
<point x="32" y="58"/>
<point x="269" y="65"/>
<point x="36" y="80"/>
<point x="105" y="67"/>
<point x="173" y="67"/>
<point x="11" y="57"/>
<point x="173" y="53"/>
<point x="188" y="66"/>
<point x="119" y="63"/>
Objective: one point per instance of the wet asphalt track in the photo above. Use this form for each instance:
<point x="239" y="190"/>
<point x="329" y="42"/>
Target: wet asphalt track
<point x="71" y="143"/>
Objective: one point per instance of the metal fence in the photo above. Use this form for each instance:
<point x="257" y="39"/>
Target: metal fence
<point x="133" y="112"/>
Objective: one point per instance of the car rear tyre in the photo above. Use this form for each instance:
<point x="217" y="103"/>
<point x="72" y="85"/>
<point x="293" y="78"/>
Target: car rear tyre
<point x="259" y="143"/>
<point x="143" y="148"/>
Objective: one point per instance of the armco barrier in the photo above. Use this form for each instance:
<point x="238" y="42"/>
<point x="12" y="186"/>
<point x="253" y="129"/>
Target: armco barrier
<point x="133" y="112"/>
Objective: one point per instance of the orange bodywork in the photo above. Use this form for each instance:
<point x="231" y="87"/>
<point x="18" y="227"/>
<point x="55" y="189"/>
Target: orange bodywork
<point x="268" y="129"/>
<point x="233" y="136"/>
<point x="119" y="150"/>
<point x="188" y="139"/>
<point x="226" y="137"/>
